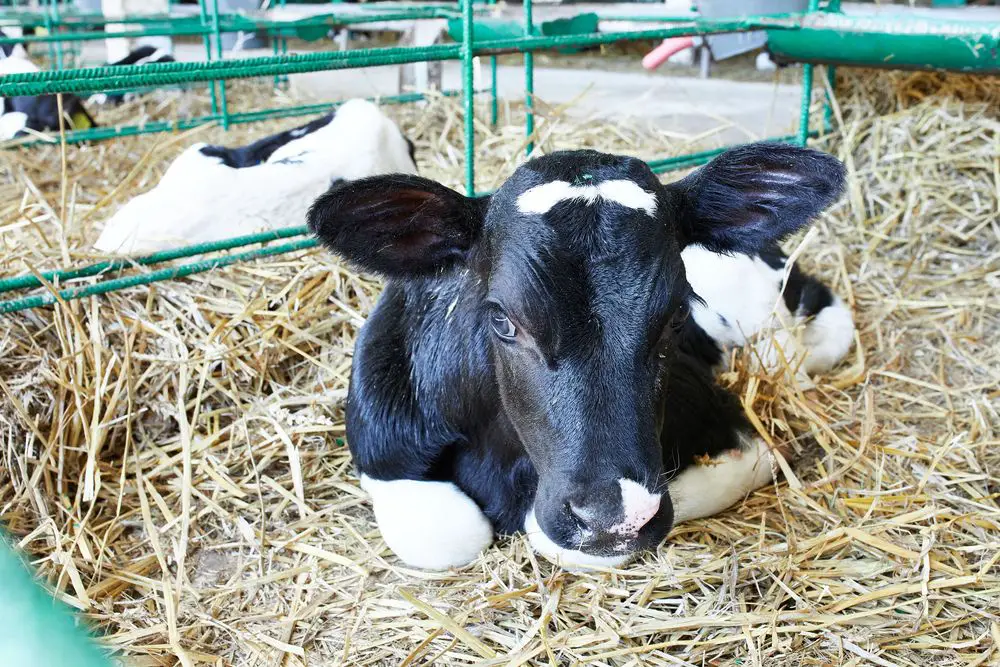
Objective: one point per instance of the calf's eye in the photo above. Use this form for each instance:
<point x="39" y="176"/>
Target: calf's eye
<point x="502" y="326"/>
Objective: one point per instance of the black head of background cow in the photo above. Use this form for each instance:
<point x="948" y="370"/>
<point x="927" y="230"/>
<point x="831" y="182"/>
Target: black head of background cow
<point x="581" y="290"/>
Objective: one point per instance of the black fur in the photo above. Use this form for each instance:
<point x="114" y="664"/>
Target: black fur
<point x="141" y="55"/>
<point x="43" y="111"/>
<point x="755" y="195"/>
<point x="534" y="360"/>
<point x="259" y="151"/>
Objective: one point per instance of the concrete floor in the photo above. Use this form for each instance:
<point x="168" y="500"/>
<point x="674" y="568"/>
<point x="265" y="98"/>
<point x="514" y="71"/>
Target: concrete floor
<point x="738" y="110"/>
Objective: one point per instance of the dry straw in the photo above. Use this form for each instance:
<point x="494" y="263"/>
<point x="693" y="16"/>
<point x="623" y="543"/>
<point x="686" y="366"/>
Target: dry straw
<point x="171" y="459"/>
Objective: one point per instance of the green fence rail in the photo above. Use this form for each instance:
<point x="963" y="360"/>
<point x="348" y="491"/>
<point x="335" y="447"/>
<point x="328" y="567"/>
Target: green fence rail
<point x="784" y="30"/>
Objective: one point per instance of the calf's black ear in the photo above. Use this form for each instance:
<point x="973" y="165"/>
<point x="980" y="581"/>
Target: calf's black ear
<point x="755" y="195"/>
<point x="397" y="225"/>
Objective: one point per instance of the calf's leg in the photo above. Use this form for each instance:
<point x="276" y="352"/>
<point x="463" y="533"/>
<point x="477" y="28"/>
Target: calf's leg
<point x="428" y="525"/>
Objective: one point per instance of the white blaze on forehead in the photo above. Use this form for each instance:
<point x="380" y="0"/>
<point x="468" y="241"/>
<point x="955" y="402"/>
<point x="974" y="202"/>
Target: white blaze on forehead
<point x="541" y="198"/>
<point x="639" y="506"/>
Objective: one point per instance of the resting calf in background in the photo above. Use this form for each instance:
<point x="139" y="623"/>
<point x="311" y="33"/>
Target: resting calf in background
<point x="531" y="364"/>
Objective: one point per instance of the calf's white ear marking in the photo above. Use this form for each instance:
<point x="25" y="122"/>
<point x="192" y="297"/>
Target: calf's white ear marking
<point x="428" y="525"/>
<point x="705" y="490"/>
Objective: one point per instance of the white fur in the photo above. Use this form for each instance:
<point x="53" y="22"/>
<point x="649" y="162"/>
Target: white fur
<point x="199" y="199"/>
<point x="638" y="505"/>
<point x="541" y="198"/>
<point x="567" y="558"/>
<point x="428" y="525"/>
<point x="828" y="337"/>
<point x="705" y="490"/>
<point x="746" y="292"/>
<point x="13" y="122"/>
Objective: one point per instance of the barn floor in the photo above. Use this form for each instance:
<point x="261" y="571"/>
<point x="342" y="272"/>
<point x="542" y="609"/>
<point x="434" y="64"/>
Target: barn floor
<point x="171" y="457"/>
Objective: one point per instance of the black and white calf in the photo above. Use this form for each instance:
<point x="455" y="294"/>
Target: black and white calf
<point x="211" y="193"/>
<point x="39" y="113"/>
<point x="531" y="364"/>
<point x="141" y="55"/>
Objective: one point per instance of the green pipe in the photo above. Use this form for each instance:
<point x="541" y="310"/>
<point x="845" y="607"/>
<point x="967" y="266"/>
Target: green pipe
<point x="207" y="41"/>
<point x="34" y="628"/>
<point x="30" y="280"/>
<point x="529" y="81"/>
<point x="807" y="82"/>
<point x="467" y="48"/>
<point x="831" y="81"/>
<point x="223" y="103"/>
<point x="893" y="42"/>
<point x="494" y="108"/>
<point x="154" y="127"/>
<point x="181" y="271"/>
<point x="119" y="77"/>
<point x="393" y="13"/>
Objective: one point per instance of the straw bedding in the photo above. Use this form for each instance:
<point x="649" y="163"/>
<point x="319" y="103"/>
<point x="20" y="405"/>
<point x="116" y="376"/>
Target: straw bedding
<point x="173" y="460"/>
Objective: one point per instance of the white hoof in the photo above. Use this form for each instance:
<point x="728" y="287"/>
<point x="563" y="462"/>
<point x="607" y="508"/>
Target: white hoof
<point x="569" y="559"/>
<point x="828" y="337"/>
<point x="428" y="525"/>
<point x="705" y="490"/>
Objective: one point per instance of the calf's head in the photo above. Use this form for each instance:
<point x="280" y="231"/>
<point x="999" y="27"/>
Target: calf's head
<point x="575" y="264"/>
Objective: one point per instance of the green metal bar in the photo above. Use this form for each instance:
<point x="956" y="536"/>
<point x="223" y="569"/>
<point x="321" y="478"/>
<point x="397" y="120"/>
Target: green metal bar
<point x="223" y="104"/>
<point x="529" y="81"/>
<point x="123" y="77"/>
<point x="30" y="280"/>
<point x="203" y="13"/>
<point x="153" y="127"/>
<point x="241" y="22"/>
<point x="467" y="97"/>
<point x="494" y="109"/>
<point x="831" y="81"/>
<point x="59" y="37"/>
<point x="890" y="41"/>
<point x="154" y="276"/>
<point x="807" y="82"/>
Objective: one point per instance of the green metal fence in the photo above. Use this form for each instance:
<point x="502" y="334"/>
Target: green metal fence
<point x="784" y="30"/>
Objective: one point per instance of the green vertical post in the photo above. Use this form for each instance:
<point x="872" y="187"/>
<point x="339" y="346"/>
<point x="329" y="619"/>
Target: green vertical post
<point x="55" y="47"/>
<point x="494" y="111"/>
<point x="283" y="78"/>
<point x="217" y="32"/>
<point x="468" y="97"/>
<point x="831" y="80"/>
<point x="529" y="79"/>
<point x="208" y="54"/>
<point x="807" y="84"/>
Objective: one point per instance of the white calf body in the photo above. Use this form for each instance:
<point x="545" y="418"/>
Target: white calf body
<point x="199" y="199"/>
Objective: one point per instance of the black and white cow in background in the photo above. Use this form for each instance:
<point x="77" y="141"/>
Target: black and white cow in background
<point x="40" y="113"/>
<point x="141" y="55"/>
<point x="210" y="192"/>
<point x="531" y="364"/>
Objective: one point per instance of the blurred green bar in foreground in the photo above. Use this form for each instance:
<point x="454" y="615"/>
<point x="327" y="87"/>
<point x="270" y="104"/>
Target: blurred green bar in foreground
<point x="35" y="630"/>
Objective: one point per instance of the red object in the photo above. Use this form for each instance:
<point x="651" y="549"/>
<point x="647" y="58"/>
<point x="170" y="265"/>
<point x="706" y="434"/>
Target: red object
<point x="669" y="47"/>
